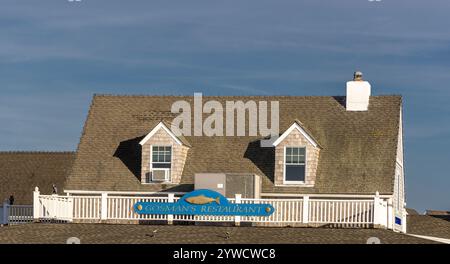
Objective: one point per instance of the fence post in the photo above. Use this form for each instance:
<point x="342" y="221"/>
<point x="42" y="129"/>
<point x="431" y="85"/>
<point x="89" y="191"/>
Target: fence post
<point x="36" y="206"/>
<point x="53" y="206"/>
<point x="171" y="199"/>
<point x="390" y="214"/>
<point x="378" y="220"/>
<point x="305" y="211"/>
<point x="104" y="205"/>
<point x="5" y="214"/>
<point x="237" y="218"/>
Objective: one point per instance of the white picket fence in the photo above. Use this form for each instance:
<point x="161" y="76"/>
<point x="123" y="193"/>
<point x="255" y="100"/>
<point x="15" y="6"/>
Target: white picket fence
<point x="54" y="207"/>
<point x="15" y="214"/>
<point x="319" y="211"/>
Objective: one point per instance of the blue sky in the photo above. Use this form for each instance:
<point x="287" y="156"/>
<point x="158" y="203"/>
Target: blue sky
<point x="54" y="54"/>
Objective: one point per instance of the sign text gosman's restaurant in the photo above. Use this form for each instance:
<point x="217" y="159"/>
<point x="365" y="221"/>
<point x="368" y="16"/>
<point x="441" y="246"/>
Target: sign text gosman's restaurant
<point x="203" y="202"/>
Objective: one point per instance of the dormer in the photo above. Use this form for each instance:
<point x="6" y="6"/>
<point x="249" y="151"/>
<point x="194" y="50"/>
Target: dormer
<point x="296" y="157"/>
<point x="163" y="156"/>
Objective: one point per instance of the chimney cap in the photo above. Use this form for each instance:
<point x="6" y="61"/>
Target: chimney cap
<point x="357" y="76"/>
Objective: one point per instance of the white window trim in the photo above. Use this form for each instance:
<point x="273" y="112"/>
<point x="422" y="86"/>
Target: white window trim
<point x="166" y="169"/>
<point x="301" y="130"/>
<point x="155" y="129"/>
<point x="284" y="167"/>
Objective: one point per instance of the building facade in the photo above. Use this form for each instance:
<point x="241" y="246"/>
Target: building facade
<point x="340" y="146"/>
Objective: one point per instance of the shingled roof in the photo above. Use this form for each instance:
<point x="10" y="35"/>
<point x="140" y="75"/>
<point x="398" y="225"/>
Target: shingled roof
<point x="357" y="156"/>
<point x="428" y="226"/>
<point x="20" y="172"/>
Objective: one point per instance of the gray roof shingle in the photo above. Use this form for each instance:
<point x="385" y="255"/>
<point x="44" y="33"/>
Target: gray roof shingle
<point x="194" y="234"/>
<point x="428" y="226"/>
<point x="357" y="155"/>
<point x="20" y="172"/>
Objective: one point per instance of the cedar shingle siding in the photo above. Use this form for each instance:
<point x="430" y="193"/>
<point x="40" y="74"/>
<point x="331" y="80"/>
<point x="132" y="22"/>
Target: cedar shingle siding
<point x="179" y="152"/>
<point x="20" y="172"/>
<point x="357" y="152"/>
<point x="296" y="139"/>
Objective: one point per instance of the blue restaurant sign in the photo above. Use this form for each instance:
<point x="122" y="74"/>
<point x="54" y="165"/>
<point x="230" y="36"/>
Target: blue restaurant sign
<point x="203" y="202"/>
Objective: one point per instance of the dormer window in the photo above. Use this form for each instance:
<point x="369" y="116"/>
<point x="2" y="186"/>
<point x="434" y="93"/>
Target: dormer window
<point x="295" y="165"/>
<point x="161" y="163"/>
<point x="163" y="156"/>
<point x="296" y="157"/>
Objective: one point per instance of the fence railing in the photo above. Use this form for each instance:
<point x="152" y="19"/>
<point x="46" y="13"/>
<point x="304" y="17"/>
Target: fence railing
<point x="286" y="211"/>
<point x="53" y="207"/>
<point x="19" y="214"/>
<point x="15" y="214"/>
<point x="356" y="212"/>
<point x="345" y="212"/>
<point x="86" y="207"/>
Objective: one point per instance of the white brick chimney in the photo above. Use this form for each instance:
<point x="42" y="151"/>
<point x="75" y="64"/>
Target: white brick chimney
<point x="358" y="93"/>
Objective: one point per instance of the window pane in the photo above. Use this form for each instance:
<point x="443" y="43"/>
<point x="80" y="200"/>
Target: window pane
<point x="288" y="151"/>
<point x="289" y="159"/>
<point x="295" y="173"/>
<point x="301" y="151"/>
<point x="295" y="155"/>
<point x="161" y="154"/>
<point x="301" y="159"/>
